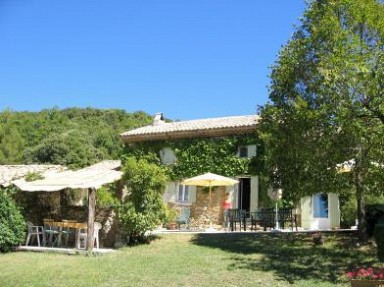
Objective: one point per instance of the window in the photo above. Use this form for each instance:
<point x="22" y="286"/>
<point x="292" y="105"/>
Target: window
<point x="320" y="205"/>
<point x="167" y="156"/>
<point x="183" y="195"/>
<point x="243" y="151"/>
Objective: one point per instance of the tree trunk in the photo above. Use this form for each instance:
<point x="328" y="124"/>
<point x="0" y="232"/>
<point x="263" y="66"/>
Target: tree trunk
<point x="362" y="222"/>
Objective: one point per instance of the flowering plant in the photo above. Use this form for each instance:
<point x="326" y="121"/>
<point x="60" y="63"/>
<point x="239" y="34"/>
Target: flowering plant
<point x="369" y="273"/>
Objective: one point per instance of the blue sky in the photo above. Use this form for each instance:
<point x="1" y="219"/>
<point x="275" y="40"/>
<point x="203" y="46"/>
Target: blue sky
<point x="189" y="59"/>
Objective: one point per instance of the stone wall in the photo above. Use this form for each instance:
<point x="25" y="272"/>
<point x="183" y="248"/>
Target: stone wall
<point x="203" y="209"/>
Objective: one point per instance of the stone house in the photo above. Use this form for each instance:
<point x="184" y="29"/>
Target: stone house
<point x="320" y="211"/>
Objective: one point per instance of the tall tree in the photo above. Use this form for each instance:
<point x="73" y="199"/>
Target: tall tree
<point x="327" y="103"/>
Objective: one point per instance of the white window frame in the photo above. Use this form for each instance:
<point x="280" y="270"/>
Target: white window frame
<point x="246" y="151"/>
<point x="183" y="193"/>
<point x="241" y="149"/>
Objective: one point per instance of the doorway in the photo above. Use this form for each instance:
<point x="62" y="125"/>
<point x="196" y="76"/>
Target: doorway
<point x="244" y="193"/>
<point x="320" y="211"/>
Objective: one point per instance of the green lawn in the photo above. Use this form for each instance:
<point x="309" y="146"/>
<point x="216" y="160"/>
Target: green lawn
<point x="197" y="260"/>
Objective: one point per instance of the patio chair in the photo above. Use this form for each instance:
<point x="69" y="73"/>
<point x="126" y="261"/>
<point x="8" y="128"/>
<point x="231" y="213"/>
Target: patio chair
<point x="34" y="231"/>
<point x="52" y="234"/>
<point x="184" y="216"/>
<point x="256" y="219"/>
<point x="286" y="216"/>
<point x="82" y="242"/>
<point x="235" y="216"/>
<point x="67" y="231"/>
<point x="268" y="216"/>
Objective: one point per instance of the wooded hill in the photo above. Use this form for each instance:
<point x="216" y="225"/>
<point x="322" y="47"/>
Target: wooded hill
<point x="74" y="137"/>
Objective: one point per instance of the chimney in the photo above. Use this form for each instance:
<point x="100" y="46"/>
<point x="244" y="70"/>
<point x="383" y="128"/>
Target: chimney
<point x="158" y="119"/>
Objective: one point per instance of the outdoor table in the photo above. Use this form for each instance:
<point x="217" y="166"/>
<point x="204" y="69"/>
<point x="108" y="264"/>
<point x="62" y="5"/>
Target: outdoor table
<point x="78" y="226"/>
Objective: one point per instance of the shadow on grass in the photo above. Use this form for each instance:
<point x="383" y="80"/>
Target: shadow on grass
<point x="292" y="256"/>
<point x="140" y="240"/>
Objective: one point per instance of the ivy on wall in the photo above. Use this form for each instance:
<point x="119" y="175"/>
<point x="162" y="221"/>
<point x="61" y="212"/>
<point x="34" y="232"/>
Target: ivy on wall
<point x="201" y="156"/>
<point x="198" y="156"/>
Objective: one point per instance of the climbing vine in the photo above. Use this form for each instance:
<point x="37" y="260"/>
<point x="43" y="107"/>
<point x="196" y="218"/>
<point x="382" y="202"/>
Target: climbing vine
<point x="197" y="156"/>
<point x="200" y="156"/>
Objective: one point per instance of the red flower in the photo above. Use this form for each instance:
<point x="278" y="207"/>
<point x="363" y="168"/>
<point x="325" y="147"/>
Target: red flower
<point x="369" y="273"/>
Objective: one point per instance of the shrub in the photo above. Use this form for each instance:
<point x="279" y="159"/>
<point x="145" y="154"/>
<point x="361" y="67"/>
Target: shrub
<point x="374" y="215"/>
<point x="143" y="209"/>
<point x="12" y="224"/>
<point x="348" y="211"/>
<point x="136" y="224"/>
<point x="379" y="238"/>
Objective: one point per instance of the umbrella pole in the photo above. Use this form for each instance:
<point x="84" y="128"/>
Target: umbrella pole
<point x="210" y="207"/>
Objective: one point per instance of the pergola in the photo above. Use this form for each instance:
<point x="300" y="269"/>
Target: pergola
<point x="90" y="178"/>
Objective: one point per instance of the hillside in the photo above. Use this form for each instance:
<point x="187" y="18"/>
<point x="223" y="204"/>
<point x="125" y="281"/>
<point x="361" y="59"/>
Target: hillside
<point x="74" y="137"/>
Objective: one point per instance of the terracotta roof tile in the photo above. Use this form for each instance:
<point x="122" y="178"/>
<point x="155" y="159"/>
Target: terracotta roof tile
<point x="194" y="128"/>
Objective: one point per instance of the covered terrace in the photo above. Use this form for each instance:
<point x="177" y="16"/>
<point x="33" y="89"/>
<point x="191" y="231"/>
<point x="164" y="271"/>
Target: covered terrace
<point x="90" y="178"/>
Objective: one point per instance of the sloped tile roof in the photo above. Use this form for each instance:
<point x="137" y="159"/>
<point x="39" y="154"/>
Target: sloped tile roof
<point x="212" y="127"/>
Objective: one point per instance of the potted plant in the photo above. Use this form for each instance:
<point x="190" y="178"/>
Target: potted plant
<point x="171" y="216"/>
<point x="367" y="277"/>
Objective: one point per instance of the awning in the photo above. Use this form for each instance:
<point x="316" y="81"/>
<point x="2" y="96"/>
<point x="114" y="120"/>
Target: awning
<point x="9" y="173"/>
<point x="93" y="176"/>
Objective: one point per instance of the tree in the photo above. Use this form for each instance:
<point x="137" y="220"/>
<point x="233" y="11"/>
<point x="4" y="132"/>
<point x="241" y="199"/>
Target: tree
<point x="74" y="137"/>
<point x="73" y="149"/>
<point x="11" y="142"/>
<point x="327" y="103"/>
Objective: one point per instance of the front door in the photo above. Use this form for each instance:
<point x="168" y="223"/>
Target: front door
<point x="244" y="194"/>
<point x="320" y="211"/>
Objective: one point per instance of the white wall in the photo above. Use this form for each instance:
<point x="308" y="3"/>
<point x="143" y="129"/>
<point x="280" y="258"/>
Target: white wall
<point x="254" y="193"/>
<point x="308" y="221"/>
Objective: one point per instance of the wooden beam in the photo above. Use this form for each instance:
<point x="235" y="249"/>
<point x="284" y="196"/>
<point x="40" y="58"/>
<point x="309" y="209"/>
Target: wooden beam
<point x="91" y="218"/>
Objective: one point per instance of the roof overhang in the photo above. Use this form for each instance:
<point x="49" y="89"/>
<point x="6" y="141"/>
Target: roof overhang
<point x="214" y="127"/>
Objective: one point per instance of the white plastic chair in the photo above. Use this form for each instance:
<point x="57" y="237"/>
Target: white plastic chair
<point x="34" y="230"/>
<point x="83" y="236"/>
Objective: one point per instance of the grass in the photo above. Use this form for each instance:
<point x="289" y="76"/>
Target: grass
<point x="224" y="259"/>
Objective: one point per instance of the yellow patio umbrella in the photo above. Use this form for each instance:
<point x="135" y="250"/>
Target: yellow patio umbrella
<point x="209" y="180"/>
<point x="346" y="166"/>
